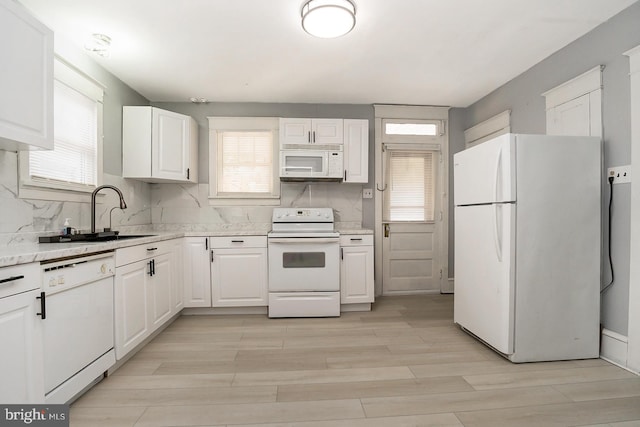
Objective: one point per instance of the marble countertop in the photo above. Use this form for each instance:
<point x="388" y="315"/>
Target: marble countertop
<point x="36" y="252"/>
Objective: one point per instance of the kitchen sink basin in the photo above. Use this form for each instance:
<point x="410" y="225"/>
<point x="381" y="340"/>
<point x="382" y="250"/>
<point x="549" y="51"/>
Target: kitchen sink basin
<point x="103" y="236"/>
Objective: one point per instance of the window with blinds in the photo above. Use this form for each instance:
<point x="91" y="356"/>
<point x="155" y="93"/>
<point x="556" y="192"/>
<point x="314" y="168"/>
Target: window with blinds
<point x="74" y="165"/>
<point x="74" y="159"/>
<point x="245" y="162"/>
<point x="411" y="180"/>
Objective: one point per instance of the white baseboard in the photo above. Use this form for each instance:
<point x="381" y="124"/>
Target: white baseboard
<point x="614" y="348"/>
<point x="449" y="286"/>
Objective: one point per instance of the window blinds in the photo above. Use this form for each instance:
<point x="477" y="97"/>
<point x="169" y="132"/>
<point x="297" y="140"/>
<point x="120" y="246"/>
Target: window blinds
<point x="74" y="158"/>
<point x="410" y="191"/>
<point x="245" y="162"/>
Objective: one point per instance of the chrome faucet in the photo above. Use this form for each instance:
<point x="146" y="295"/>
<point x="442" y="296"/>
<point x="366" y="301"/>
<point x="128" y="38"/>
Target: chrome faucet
<point x="123" y="205"/>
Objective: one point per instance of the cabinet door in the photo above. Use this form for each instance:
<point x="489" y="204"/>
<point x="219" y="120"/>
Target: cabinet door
<point x="356" y="150"/>
<point x="239" y="277"/>
<point x="159" y="291"/>
<point x="131" y="309"/>
<point x="21" y="356"/>
<point x="170" y="145"/>
<point x="356" y="274"/>
<point x="177" y="271"/>
<point x="295" y="131"/>
<point x="197" y="273"/>
<point x="26" y="80"/>
<point x="327" y="131"/>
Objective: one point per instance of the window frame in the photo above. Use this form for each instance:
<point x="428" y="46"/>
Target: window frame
<point x="408" y="138"/>
<point x="243" y="124"/>
<point x="44" y="189"/>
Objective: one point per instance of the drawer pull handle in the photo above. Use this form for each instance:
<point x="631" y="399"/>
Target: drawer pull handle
<point x="11" y="279"/>
<point x="356" y="240"/>
<point x="152" y="249"/>
<point x="237" y="241"/>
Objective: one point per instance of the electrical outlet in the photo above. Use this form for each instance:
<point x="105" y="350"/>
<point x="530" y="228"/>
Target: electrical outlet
<point x="367" y="193"/>
<point x="620" y="174"/>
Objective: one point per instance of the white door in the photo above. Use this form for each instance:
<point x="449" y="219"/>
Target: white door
<point x="484" y="254"/>
<point x="131" y="320"/>
<point x="197" y="270"/>
<point x="159" y="291"/>
<point x="239" y="277"/>
<point x="170" y="145"/>
<point x="21" y="356"/>
<point x="412" y="237"/>
<point x="485" y="173"/>
<point x="570" y="118"/>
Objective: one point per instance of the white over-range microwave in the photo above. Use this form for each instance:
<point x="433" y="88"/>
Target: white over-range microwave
<point x="312" y="164"/>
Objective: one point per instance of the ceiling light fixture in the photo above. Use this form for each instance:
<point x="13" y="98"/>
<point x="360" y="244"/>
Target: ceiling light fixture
<point x="328" y="18"/>
<point x="196" y="100"/>
<point x="99" y="44"/>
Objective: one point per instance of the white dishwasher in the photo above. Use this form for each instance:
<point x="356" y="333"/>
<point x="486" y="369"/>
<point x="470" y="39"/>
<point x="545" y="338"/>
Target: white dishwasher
<point x="77" y="323"/>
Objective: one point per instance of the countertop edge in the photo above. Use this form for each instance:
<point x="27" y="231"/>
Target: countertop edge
<point x="36" y="252"/>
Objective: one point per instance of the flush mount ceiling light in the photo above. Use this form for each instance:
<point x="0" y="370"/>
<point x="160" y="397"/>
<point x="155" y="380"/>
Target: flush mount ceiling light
<point x="196" y="100"/>
<point x="99" y="44"/>
<point x="328" y="18"/>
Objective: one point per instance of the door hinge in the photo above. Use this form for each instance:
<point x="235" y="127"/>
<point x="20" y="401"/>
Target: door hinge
<point x="440" y="215"/>
<point x="440" y="274"/>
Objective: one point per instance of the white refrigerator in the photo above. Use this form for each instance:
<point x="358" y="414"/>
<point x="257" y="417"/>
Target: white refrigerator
<point x="527" y="245"/>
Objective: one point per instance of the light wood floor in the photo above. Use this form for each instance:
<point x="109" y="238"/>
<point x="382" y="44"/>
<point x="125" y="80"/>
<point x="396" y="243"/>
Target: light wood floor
<point x="403" y="364"/>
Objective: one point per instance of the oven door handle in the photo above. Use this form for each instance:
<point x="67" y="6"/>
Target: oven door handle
<point x="295" y="240"/>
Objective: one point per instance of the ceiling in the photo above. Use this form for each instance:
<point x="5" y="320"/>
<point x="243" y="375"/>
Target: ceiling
<point x="424" y="52"/>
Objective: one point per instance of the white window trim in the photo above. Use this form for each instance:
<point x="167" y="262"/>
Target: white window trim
<point x="488" y="129"/>
<point x="218" y="124"/>
<point x="588" y="83"/>
<point x="66" y="192"/>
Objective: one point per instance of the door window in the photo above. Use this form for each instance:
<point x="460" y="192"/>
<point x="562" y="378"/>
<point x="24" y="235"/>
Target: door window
<point x="410" y="178"/>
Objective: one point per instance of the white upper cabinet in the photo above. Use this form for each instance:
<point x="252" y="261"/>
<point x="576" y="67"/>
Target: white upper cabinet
<point x="26" y="80"/>
<point x="311" y="131"/>
<point x="159" y="145"/>
<point x="356" y="151"/>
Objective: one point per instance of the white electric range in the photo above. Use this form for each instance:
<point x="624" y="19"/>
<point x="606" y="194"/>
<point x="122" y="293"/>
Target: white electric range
<point x="304" y="263"/>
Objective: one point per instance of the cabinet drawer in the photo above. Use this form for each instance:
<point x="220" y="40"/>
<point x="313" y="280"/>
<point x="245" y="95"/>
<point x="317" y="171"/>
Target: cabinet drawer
<point x="239" y="242"/>
<point x="139" y="252"/>
<point x="19" y="278"/>
<point x="356" y="240"/>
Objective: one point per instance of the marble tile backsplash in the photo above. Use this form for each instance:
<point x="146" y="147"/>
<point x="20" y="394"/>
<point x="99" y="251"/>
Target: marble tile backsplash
<point x="161" y="207"/>
<point x="186" y="207"/>
<point x="23" y="220"/>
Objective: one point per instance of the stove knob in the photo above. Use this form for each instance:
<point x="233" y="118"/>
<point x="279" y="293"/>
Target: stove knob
<point x="326" y="215"/>
<point x="278" y="215"/>
<point x="317" y="213"/>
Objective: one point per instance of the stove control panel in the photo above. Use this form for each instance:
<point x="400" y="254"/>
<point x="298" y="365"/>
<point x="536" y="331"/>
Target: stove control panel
<point x="302" y="215"/>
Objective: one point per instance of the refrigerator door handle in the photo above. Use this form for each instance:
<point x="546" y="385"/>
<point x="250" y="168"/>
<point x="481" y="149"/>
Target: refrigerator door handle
<point x="496" y="179"/>
<point x="497" y="222"/>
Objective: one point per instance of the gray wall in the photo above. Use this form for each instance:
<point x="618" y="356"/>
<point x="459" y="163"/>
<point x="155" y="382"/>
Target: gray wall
<point x="604" y="45"/>
<point x="200" y="112"/>
<point x="456" y="144"/>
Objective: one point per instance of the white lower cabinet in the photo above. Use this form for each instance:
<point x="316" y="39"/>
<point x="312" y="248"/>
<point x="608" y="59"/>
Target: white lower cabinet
<point x="239" y="271"/>
<point x="144" y="290"/>
<point x="196" y="272"/>
<point x="177" y="281"/>
<point x="356" y="269"/>
<point x="21" y="362"/>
